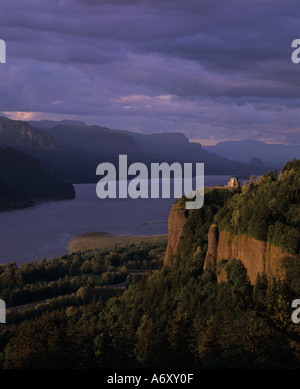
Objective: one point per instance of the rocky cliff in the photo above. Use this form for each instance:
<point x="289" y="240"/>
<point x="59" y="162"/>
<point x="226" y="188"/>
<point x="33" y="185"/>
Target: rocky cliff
<point x="257" y="256"/>
<point x="21" y="136"/>
<point x="175" y="227"/>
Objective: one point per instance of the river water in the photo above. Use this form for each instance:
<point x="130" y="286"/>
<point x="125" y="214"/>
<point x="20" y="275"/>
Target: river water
<point x="47" y="228"/>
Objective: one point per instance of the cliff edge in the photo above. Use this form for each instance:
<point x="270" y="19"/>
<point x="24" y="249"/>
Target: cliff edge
<point x="257" y="256"/>
<point x="176" y="222"/>
<point x="257" y="225"/>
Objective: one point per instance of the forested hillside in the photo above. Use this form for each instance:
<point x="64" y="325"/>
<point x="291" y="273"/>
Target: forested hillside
<point x="267" y="209"/>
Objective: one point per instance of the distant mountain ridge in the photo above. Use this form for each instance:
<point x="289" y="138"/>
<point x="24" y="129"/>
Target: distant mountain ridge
<point x="72" y="151"/>
<point x="104" y="145"/>
<point x="273" y="155"/>
<point x="47" y="124"/>
<point x="94" y="139"/>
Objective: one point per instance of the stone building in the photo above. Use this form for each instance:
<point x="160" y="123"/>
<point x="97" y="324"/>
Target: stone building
<point x="233" y="183"/>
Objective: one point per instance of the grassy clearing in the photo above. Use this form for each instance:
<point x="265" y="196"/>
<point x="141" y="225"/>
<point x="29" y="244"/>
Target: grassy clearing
<point x="105" y="240"/>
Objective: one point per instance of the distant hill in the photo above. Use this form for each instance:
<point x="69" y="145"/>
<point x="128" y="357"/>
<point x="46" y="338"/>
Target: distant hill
<point x="20" y="135"/>
<point x="95" y="144"/>
<point x="46" y="124"/>
<point x="23" y="181"/>
<point x="178" y="147"/>
<point x="107" y="144"/>
<point x="94" y="139"/>
<point x="273" y="155"/>
<point x="82" y="148"/>
<point x="72" y="151"/>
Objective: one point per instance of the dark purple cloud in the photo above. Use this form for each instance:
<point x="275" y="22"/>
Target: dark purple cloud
<point x="212" y="69"/>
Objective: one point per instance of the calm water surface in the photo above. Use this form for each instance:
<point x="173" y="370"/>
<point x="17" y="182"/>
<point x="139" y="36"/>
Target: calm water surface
<point x="48" y="228"/>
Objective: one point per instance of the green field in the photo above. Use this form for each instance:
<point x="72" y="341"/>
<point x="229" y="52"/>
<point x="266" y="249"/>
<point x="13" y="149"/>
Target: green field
<point x="105" y="240"/>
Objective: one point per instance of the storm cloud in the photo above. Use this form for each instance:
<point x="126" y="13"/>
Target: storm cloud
<point x="212" y="69"/>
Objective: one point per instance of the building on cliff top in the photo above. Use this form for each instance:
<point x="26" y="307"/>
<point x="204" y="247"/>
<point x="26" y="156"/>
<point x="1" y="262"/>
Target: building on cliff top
<point x="232" y="183"/>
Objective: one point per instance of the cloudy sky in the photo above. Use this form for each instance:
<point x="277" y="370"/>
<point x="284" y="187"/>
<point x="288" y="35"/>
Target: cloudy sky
<point x="213" y="69"/>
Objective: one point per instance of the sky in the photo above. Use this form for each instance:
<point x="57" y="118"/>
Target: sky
<point x="214" y="70"/>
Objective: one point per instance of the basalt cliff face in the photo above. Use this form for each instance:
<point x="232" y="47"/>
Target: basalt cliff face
<point x="257" y="256"/>
<point x="176" y="222"/>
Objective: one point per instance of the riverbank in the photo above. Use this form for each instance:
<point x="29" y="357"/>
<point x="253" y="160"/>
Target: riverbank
<point x="105" y="240"/>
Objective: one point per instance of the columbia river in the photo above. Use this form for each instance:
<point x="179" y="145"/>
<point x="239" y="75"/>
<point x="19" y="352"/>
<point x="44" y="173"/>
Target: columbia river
<point x="47" y="228"/>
